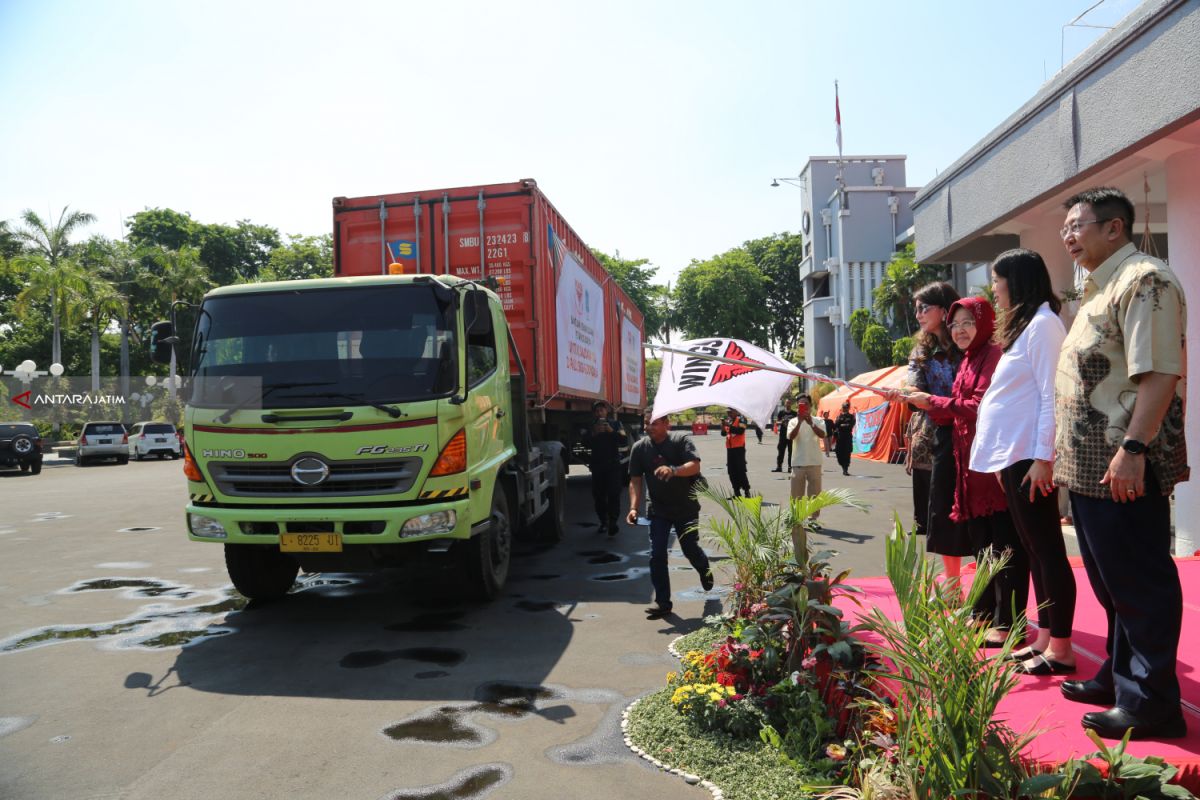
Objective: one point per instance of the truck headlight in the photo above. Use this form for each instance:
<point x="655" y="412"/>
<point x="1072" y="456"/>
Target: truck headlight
<point x="429" y="524"/>
<point x="207" y="527"/>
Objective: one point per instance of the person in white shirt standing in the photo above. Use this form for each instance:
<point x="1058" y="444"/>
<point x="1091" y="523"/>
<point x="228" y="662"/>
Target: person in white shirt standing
<point x="805" y="434"/>
<point x="1015" y="441"/>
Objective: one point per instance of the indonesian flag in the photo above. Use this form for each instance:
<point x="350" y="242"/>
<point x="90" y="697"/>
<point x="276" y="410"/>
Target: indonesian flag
<point x="694" y="382"/>
<point x="837" y="116"/>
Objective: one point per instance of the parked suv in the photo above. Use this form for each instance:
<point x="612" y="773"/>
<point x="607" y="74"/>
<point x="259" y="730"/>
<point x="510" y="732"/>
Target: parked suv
<point x="102" y="440"/>
<point x="20" y="446"/>
<point x="154" y="439"/>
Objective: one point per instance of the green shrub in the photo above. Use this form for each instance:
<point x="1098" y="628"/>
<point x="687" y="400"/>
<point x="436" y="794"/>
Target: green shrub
<point x="877" y="345"/>
<point x="901" y="349"/>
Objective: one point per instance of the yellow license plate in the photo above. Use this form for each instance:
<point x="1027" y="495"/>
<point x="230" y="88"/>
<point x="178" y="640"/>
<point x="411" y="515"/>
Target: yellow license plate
<point x="310" y="542"/>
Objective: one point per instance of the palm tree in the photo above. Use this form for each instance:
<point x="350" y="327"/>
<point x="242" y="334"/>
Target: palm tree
<point x="52" y="241"/>
<point x="59" y="284"/>
<point x="124" y="266"/>
<point x="184" y="278"/>
<point x="101" y="302"/>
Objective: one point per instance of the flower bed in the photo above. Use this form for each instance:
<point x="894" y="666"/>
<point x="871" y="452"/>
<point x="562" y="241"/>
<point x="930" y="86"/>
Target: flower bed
<point x="779" y="698"/>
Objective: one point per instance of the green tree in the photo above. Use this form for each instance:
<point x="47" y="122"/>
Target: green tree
<point x="901" y="280"/>
<point x="302" y="257"/>
<point x="901" y="349"/>
<point x="633" y="276"/>
<point x="877" y="345"/>
<point x="724" y="296"/>
<point x="55" y="286"/>
<point x="100" y="303"/>
<point x="238" y="253"/>
<point x="125" y="267"/>
<point x="184" y="279"/>
<point x="10" y="245"/>
<point x="778" y="257"/>
<point x="231" y="253"/>
<point x="51" y="240"/>
<point x="162" y="227"/>
<point x="653" y="367"/>
<point x="860" y="320"/>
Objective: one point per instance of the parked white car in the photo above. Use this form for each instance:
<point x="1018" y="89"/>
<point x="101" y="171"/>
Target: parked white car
<point x="100" y="440"/>
<point x="154" y="439"/>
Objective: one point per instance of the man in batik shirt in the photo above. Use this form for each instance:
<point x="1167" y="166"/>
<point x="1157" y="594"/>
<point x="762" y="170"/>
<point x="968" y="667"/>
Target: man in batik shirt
<point x="1120" y="451"/>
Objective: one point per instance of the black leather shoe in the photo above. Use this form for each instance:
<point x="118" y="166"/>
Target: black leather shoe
<point x="1090" y="692"/>
<point x="1113" y="723"/>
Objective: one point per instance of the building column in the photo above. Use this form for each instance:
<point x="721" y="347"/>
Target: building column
<point x="1183" y="244"/>
<point x="1049" y="245"/>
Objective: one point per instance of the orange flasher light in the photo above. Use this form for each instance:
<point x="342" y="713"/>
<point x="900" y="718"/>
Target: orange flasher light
<point x="190" y="469"/>
<point x="402" y="269"/>
<point x="453" y="458"/>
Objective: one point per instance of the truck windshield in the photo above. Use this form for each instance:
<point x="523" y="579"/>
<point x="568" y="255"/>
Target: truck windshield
<point x="383" y="344"/>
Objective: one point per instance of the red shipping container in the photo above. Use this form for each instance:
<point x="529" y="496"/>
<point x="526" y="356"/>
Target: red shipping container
<point x="514" y="231"/>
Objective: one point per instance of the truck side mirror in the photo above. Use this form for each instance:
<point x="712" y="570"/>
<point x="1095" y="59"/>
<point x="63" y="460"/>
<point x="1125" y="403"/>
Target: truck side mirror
<point x="162" y="342"/>
<point x="479" y="314"/>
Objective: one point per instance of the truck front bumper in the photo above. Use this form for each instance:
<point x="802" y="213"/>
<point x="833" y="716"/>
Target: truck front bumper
<point x="357" y="526"/>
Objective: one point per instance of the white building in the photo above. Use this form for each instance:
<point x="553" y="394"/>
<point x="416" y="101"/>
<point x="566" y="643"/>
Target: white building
<point x="855" y="216"/>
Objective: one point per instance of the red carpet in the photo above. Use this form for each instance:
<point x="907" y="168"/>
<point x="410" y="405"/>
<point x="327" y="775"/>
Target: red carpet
<point x="1037" y="704"/>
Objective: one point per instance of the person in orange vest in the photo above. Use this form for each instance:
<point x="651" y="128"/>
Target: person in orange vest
<point x="733" y="428"/>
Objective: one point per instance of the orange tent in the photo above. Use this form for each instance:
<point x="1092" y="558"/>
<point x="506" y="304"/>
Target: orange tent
<point x="888" y="432"/>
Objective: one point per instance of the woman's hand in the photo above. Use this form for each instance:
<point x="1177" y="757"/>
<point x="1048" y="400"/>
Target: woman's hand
<point x="1040" y="477"/>
<point x="919" y="399"/>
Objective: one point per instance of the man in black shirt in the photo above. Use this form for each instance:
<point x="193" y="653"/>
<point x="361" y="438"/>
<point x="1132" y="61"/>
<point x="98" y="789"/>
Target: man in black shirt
<point x="605" y="437"/>
<point x="785" y="444"/>
<point x="666" y="463"/>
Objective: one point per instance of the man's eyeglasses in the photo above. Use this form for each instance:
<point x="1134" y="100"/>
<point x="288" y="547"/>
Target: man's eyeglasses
<point x="966" y="324"/>
<point x="1078" y="224"/>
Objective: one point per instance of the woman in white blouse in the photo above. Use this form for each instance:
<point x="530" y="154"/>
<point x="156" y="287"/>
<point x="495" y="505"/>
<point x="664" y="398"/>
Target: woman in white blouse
<point x="1015" y="440"/>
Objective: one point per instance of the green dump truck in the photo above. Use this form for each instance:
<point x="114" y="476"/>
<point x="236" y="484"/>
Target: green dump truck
<point x="422" y="407"/>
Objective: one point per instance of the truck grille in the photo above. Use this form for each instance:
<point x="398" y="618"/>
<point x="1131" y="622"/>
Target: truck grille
<point x="346" y="479"/>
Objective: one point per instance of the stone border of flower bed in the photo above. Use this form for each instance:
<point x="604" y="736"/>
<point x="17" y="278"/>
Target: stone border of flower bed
<point x="717" y="792"/>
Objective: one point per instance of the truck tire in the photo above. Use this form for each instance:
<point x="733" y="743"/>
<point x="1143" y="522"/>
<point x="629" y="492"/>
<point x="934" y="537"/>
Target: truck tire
<point x="486" y="556"/>
<point x="35" y="467"/>
<point x="549" y="527"/>
<point x="260" y="573"/>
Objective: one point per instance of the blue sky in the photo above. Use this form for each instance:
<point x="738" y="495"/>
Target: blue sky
<point x="655" y="127"/>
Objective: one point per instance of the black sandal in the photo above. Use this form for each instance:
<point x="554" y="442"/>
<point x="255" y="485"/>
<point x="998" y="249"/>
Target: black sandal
<point x="1046" y="666"/>
<point x="1024" y="654"/>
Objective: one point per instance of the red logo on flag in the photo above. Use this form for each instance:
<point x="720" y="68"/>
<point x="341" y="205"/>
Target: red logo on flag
<point x="726" y="371"/>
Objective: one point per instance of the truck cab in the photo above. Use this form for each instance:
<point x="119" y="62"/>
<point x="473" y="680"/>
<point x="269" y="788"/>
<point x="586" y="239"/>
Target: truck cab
<point x="353" y="423"/>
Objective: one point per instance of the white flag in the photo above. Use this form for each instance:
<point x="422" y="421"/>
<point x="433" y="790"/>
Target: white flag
<point x="694" y="382"/>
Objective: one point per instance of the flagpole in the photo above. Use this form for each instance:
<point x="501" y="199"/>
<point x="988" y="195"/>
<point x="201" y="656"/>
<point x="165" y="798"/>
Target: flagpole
<point x="841" y="287"/>
<point x="812" y="376"/>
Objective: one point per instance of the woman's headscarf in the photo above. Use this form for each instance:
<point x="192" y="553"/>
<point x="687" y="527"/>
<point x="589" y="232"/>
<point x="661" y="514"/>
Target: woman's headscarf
<point x="985" y="320"/>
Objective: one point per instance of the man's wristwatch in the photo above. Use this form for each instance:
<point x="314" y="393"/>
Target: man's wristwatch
<point x="1134" y="447"/>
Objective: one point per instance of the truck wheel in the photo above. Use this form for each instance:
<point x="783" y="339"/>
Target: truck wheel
<point x="122" y="459"/>
<point x="24" y="466"/>
<point x="260" y="573"/>
<point x="486" y="556"/>
<point x="35" y="467"/>
<point x="550" y="525"/>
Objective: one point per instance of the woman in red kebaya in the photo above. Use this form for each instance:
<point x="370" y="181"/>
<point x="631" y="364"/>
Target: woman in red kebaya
<point x="978" y="499"/>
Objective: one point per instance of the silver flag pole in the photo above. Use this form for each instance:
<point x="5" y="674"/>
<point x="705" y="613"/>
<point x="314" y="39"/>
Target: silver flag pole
<point x="812" y="376"/>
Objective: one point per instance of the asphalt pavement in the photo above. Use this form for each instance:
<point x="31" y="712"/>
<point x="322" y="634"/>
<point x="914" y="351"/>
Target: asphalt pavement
<point x="130" y="669"/>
